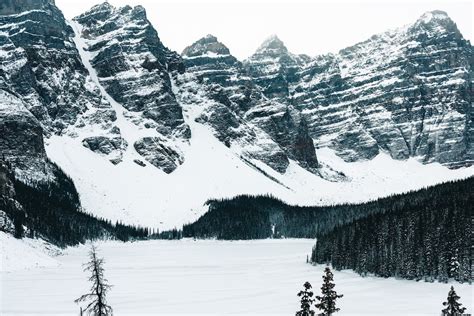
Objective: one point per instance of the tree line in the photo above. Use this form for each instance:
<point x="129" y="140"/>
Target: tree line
<point x="257" y="217"/>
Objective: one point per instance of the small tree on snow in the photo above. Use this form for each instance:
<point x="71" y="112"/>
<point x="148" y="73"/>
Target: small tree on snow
<point x="98" y="291"/>
<point x="453" y="307"/>
<point x="328" y="299"/>
<point x="306" y="301"/>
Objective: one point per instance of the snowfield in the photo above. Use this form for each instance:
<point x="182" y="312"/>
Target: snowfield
<point x="208" y="277"/>
<point x="26" y="253"/>
<point x="147" y="196"/>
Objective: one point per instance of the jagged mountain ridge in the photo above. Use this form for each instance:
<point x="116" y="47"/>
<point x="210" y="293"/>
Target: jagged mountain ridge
<point x="238" y="101"/>
<point x="126" y="57"/>
<point x="103" y="87"/>
<point x="406" y="92"/>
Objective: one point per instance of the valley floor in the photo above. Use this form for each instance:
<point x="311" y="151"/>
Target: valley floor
<point x="207" y="277"/>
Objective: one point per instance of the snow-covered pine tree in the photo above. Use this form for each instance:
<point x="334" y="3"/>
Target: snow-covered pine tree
<point x="306" y="301"/>
<point x="453" y="307"/>
<point x="98" y="292"/>
<point x="329" y="296"/>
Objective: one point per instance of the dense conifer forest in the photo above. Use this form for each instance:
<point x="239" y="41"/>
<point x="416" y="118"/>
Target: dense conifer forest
<point x="52" y="210"/>
<point x="425" y="236"/>
<point x="257" y="217"/>
<point x="254" y="217"/>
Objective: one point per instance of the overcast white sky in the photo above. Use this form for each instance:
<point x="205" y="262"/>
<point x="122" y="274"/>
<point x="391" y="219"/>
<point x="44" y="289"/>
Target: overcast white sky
<point x="306" y="26"/>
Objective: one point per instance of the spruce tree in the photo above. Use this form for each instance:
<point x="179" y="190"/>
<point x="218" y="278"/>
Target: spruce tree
<point x="306" y="301"/>
<point x="329" y="296"/>
<point x="453" y="307"/>
<point x="99" y="288"/>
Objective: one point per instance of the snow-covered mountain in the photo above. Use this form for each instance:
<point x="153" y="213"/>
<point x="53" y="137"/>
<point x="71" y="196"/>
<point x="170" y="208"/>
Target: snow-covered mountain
<point x="406" y="92"/>
<point x="240" y="113"/>
<point x="149" y="135"/>
<point x="125" y="57"/>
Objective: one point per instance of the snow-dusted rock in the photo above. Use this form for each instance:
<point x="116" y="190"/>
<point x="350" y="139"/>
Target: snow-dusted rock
<point x="22" y="135"/>
<point x="132" y="64"/>
<point x="158" y="154"/>
<point x="110" y="146"/>
<point x="274" y="68"/>
<point x="406" y="92"/>
<point x="41" y="64"/>
<point x="8" y="7"/>
<point x="21" y="138"/>
<point x="238" y="102"/>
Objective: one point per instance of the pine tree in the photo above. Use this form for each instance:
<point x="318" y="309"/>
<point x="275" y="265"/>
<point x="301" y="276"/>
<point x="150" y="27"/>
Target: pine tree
<point x="453" y="307"/>
<point x="98" y="305"/>
<point x="306" y="301"/>
<point x="329" y="296"/>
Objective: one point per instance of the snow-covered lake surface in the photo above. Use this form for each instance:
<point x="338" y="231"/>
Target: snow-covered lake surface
<point x="208" y="278"/>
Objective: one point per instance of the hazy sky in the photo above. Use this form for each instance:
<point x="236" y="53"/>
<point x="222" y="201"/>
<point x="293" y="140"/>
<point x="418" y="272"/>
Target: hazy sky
<point x="306" y="26"/>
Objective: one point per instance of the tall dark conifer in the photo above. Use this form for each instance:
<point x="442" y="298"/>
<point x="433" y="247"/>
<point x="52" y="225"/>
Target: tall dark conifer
<point x="306" y="301"/>
<point x="327" y="302"/>
<point x="98" y="292"/>
<point x="453" y="307"/>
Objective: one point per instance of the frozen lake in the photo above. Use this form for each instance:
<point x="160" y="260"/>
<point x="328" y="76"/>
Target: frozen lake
<point x="211" y="277"/>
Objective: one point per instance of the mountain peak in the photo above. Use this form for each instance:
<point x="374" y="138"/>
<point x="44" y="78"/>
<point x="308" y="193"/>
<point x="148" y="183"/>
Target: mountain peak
<point x="437" y="15"/>
<point x="210" y="38"/>
<point x="273" y="46"/>
<point x="207" y="45"/>
<point x="98" y="9"/>
<point x="104" y="5"/>
<point x="436" y="21"/>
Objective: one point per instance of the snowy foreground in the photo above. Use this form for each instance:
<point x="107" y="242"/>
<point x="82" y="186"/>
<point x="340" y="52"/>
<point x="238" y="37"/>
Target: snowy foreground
<point x="205" y="277"/>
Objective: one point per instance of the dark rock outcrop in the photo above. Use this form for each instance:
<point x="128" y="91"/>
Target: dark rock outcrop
<point x="158" y="154"/>
<point x="9" y="7"/>
<point x="42" y="65"/>
<point x="133" y="65"/>
<point x="21" y="136"/>
<point x="113" y="146"/>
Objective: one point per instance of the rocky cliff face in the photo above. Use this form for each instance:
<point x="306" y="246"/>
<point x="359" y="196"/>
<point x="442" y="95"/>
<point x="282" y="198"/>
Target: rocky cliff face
<point x="275" y="69"/>
<point x="241" y="110"/>
<point x="41" y="64"/>
<point x="133" y="65"/>
<point x="21" y="141"/>
<point x="109" y="88"/>
<point x="126" y="58"/>
<point x="9" y="7"/>
<point x="407" y="92"/>
<point x="107" y="81"/>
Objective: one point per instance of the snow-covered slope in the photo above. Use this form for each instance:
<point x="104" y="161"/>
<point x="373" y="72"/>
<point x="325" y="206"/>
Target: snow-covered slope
<point x="26" y="253"/>
<point x="148" y="196"/>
